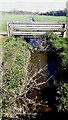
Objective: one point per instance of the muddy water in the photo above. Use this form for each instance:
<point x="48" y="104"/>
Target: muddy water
<point x="38" y="61"/>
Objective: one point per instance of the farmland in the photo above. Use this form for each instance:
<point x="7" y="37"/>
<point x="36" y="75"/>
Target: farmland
<point x="27" y="18"/>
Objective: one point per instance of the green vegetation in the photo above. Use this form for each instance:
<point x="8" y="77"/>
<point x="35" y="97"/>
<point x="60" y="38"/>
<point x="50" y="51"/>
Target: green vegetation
<point x="1" y="40"/>
<point x="50" y="18"/>
<point x="63" y="97"/>
<point x="0" y="78"/>
<point x="16" y="57"/>
<point x="62" y="88"/>
<point x="63" y="42"/>
<point x="27" y="18"/>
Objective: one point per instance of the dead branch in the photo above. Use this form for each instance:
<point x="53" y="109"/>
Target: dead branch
<point x="40" y="70"/>
<point x="43" y="83"/>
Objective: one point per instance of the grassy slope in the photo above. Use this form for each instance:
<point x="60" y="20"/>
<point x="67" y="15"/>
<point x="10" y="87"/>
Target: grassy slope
<point x="0" y="76"/>
<point x="26" y="18"/>
<point x="16" y="57"/>
<point x="63" y="42"/>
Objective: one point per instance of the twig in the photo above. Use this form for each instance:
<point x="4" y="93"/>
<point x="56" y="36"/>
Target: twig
<point x="45" y="81"/>
<point x="38" y="72"/>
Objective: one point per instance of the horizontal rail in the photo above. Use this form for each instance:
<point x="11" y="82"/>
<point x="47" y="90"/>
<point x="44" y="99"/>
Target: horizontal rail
<point x="3" y="34"/>
<point x="46" y="25"/>
<point x="32" y="33"/>
<point x="34" y="28"/>
<point x="36" y="23"/>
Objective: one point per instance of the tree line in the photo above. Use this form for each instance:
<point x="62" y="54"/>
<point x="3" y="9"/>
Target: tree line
<point x="55" y="13"/>
<point x="49" y="13"/>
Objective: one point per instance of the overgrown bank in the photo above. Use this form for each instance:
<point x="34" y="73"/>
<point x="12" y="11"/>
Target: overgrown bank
<point x="16" y="55"/>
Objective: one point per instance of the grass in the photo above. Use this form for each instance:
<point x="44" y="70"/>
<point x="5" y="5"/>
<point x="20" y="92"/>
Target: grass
<point x="16" y="56"/>
<point x="26" y="18"/>
<point x="50" y="18"/>
<point x="0" y="76"/>
<point x="0" y="40"/>
<point x="63" y="42"/>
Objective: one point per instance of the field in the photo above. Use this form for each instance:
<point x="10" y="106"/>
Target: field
<point x="27" y="18"/>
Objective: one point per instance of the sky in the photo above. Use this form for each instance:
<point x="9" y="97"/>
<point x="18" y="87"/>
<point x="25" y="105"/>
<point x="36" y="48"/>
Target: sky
<point x="32" y="5"/>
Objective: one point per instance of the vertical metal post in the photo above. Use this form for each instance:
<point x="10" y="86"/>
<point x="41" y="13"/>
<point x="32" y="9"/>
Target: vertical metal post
<point x="8" y="28"/>
<point x="64" y="34"/>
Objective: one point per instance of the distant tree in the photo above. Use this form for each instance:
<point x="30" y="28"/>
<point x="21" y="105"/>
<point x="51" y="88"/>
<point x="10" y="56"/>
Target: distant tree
<point x="55" y="13"/>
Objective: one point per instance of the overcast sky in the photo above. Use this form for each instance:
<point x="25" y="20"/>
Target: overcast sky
<point x="33" y="5"/>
